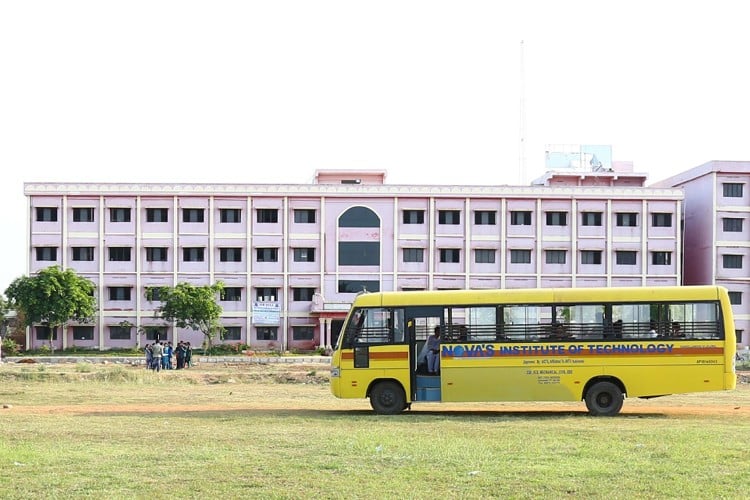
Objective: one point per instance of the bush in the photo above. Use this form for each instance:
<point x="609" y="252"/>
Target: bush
<point x="9" y="347"/>
<point x="223" y="349"/>
<point x="44" y="350"/>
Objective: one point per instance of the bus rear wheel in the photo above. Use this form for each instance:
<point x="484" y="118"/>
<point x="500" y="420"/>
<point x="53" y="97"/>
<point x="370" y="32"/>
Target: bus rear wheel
<point x="387" y="398"/>
<point x="604" y="399"/>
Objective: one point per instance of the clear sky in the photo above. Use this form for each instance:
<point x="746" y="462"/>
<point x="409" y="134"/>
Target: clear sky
<point x="251" y="91"/>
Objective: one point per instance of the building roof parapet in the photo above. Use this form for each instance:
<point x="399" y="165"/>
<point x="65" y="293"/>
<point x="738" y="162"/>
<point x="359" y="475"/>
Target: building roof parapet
<point x="345" y="190"/>
<point x="713" y="166"/>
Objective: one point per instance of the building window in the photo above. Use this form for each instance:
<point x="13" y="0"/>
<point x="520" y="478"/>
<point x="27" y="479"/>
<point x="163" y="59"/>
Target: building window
<point x="46" y="253"/>
<point x="449" y="217"/>
<point x="45" y="333"/>
<point x="413" y="254"/>
<point x="591" y="257"/>
<point x="119" y="254"/>
<point x="119" y="332"/>
<point x="267" y="294"/>
<point x="625" y="257"/>
<point x="230" y="215"/>
<point x="359" y="253"/>
<point x="157" y="215"/>
<point x="739" y="336"/>
<point x="520" y="256"/>
<point x="413" y="216"/>
<point x="267" y="332"/>
<point x="156" y="254"/>
<point x="231" y="294"/>
<point x="555" y="256"/>
<point x="356" y="286"/>
<point x="304" y="255"/>
<point x="153" y="293"/>
<point x="359" y="217"/>
<point x="732" y="189"/>
<point x="267" y="215"/>
<point x="192" y="215"/>
<point x="731" y="261"/>
<point x="732" y="225"/>
<point x="627" y="219"/>
<point x="230" y="254"/>
<point x="83" y="333"/>
<point x="46" y="214"/>
<point x="591" y="219"/>
<point x="119" y="293"/>
<point x="83" y="254"/>
<point x="232" y="333"/>
<point x="193" y="254"/>
<point x="304" y="216"/>
<point x="83" y="214"/>
<point x="520" y="218"/>
<point x="557" y="218"/>
<point x="484" y="256"/>
<point x="661" y="220"/>
<point x="661" y="258"/>
<point x="267" y="254"/>
<point x="302" y="333"/>
<point x="119" y="214"/>
<point x="302" y="294"/>
<point x="155" y="333"/>
<point x="735" y="298"/>
<point x="485" y="217"/>
<point x="450" y="255"/>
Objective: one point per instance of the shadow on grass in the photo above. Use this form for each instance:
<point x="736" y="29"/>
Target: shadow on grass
<point x="327" y="414"/>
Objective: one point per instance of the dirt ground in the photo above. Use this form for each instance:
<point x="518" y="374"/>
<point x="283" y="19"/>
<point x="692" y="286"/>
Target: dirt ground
<point x="317" y="376"/>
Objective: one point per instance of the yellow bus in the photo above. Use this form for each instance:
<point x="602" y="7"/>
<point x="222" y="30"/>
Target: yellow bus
<point x="596" y="345"/>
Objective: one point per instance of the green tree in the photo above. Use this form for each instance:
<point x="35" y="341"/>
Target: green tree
<point x="52" y="298"/>
<point x="3" y="316"/>
<point x="190" y="306"/>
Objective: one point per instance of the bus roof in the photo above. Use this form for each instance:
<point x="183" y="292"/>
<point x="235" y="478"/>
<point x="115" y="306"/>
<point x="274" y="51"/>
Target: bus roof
<point x="540" y="296"/>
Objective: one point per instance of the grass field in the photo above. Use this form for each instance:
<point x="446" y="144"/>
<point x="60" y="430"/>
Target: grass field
<point x="275" y="431"/>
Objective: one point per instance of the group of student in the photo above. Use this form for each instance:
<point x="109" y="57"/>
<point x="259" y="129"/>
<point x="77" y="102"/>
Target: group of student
<point x="160" y="355"/>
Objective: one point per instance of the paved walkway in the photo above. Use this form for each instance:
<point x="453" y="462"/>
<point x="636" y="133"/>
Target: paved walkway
<point x="130" y="360"/>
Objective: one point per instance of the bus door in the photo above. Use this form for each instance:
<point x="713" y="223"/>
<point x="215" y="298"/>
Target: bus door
<point x="421" y="323"/>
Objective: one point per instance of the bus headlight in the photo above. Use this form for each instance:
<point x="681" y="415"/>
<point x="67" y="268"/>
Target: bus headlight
<point x="335" y="372"/>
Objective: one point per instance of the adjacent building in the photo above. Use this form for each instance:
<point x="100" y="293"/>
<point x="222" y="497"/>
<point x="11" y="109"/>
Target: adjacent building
<point x="293" y="256"/>
<point x="717" y="232"/>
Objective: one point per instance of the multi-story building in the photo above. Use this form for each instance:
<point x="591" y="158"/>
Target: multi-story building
<point x="292" y="257"/>
<point x="717" y="232"/>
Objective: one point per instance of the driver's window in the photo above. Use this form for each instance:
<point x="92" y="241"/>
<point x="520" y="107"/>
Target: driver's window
<point x="376" y="325"/>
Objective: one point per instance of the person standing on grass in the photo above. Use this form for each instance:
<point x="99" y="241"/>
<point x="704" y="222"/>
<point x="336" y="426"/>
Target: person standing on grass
<point x="179" y="353"/>
<point x="166" y="357"/>
<point x="157" y="352"/>
<point x="149" y="355"/>
<point x="188" y="355"/>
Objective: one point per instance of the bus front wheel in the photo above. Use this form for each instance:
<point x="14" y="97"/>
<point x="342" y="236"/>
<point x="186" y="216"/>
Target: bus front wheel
<point x="387" y="398"/>
<point x="604" y="399"/>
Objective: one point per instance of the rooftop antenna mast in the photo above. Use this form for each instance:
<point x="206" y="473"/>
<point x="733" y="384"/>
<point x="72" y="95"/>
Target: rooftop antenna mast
<point x="522" y="120"/>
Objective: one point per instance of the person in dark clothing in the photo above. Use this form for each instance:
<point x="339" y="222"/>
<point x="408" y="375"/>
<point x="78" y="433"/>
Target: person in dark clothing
<point x="188" y="355"/>
<point x="180" y="352"/>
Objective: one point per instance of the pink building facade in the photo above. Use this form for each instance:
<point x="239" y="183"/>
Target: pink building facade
<point x="292" y="257"/>
<point x="717" y="232"/>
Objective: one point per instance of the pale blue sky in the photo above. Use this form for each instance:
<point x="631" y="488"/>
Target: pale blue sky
<point x="244" y="91"/>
